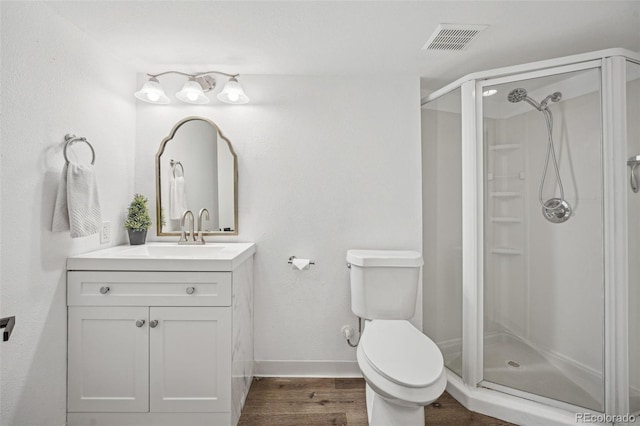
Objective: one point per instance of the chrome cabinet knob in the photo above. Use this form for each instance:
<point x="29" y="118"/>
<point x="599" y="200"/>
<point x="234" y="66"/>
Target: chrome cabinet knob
<point x="191" y="290"/>
<point x="104" y="290"/>
<point x="139" y="323"/>
<point x="153" y="323"/>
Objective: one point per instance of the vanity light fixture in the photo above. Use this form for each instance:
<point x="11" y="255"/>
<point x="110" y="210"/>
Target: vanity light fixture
<point x="193" y="91"/>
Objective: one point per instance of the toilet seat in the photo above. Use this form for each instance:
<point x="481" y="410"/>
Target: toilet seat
<point x="401" y="353"/>
<point x="401" y="363"/>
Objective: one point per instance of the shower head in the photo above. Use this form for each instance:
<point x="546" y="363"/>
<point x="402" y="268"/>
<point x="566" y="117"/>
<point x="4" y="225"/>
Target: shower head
<point x="554" y="97"/>
<point x="517" y="95"/>
<point x="520" y="94"/>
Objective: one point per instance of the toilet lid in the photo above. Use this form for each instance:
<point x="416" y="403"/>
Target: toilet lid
<point x="401" y="353"/>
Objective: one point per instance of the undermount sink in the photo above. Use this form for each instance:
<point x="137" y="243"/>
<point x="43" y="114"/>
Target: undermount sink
<point x="165" y="257"/>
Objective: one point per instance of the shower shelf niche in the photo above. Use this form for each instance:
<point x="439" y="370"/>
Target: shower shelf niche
<point x="505" y="194"/>
<point x="508" y="251"/>
<point x="504" y="147"/>
<point x="506" y="220"/>
<point x="491" y="176"/>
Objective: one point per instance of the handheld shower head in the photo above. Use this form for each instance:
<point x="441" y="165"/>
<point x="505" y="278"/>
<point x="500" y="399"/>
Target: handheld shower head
<point x="517" y="95"/>
<point x="556" y="210"/>
<point x="554" y="97"/>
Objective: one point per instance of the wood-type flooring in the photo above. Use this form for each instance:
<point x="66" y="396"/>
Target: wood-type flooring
<point x="321" y="402"/>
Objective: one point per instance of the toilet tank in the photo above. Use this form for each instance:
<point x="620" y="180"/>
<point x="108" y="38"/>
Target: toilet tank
<point x="384" y="283"/>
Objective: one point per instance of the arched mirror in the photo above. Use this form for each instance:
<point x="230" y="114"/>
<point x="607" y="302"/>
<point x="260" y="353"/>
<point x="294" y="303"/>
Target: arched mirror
<point x="197" y="168"/>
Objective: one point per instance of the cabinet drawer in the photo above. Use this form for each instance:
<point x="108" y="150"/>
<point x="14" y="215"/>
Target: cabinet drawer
<point x="148" y="288"/>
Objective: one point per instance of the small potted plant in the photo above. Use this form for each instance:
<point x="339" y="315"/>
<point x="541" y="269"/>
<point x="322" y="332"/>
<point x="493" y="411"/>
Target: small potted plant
<point x="138" y="220"/>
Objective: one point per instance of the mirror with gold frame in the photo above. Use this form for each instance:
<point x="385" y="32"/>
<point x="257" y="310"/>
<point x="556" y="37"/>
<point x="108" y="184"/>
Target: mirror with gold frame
<point x="196" y="167"/>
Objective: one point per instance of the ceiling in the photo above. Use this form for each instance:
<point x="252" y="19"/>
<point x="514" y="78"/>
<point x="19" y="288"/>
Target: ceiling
<point x="347" y="37"/>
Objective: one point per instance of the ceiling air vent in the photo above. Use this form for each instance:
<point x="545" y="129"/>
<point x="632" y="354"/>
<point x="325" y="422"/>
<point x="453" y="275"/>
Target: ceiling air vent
<point x="453" y="36"/>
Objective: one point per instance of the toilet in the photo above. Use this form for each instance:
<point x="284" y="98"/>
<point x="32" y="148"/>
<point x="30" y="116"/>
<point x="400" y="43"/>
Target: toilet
<point x="403" y="368"/>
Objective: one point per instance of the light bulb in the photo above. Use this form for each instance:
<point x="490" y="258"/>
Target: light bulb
<point x="192" y="93"/>
<point x="152" y="92"/>
<point x="232" y="93"/>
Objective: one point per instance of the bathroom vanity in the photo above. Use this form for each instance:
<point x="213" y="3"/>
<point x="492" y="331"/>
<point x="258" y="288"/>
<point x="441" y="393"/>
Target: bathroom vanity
<point x="160" y="334"/>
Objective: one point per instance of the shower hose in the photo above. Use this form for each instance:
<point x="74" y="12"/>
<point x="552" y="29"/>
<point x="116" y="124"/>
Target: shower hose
<point x="551" y="153"/>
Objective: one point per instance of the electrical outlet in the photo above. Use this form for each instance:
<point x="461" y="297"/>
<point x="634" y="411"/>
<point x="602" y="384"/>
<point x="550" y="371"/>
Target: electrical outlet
<point x="105" y="233"/>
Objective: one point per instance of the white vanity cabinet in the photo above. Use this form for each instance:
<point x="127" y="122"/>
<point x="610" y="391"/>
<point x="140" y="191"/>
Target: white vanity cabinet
<point x="159" y="347"/>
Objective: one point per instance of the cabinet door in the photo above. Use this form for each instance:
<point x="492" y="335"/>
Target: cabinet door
<point x="190" y="359"/>
<point x="108" y="359"/>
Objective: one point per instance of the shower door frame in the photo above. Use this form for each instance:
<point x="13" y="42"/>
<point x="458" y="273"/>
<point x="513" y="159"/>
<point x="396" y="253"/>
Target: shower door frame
<point x="614" y="187"/>
<point x="620" y="71"/>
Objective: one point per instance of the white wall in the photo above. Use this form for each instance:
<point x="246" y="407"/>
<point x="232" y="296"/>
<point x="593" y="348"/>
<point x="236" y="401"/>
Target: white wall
<point x="54" y="81"/>
<point x="325" y="164"/>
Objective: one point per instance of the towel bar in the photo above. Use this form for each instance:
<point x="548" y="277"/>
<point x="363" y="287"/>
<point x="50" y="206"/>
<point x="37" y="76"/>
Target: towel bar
<point x="71" y="139"/>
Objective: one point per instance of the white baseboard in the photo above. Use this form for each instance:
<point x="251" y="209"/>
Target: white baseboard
<point x="307" y="369"/>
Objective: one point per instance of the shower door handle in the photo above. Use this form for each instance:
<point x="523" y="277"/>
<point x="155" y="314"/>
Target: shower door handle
<point x="633" y="162"/>
<point x="7" y="323"/>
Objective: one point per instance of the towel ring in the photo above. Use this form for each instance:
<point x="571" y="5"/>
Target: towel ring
<point x="73" y="139"/>
<point x="173" y="167"/>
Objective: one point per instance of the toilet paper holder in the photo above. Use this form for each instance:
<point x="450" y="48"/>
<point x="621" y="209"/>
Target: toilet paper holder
<point x="311" y="262"/>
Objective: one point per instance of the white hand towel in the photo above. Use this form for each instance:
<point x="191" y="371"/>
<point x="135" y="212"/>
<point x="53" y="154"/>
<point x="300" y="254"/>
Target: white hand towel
<point x="77" y="204"/>
<point x="177" y="197"/>
<point x="61" y="210"/>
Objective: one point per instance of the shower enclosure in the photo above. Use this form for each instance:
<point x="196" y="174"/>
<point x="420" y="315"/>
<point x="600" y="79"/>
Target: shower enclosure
<point x="532" y="237"/>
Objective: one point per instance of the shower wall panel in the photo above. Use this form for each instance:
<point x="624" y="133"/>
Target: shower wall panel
<point x="566" y="276"/>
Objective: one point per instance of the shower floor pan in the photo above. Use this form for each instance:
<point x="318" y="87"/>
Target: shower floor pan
<point x="512" y="363"/>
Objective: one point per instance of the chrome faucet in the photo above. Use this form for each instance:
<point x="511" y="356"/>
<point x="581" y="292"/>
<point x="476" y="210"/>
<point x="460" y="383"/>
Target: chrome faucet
<point x="184" y="237"/>
<point x="203" y="212"/>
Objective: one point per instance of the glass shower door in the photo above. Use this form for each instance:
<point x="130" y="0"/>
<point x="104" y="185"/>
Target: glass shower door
<point x="633" y="149"/>
<point x="543" y="238"/>
<point x="442" y="226"/>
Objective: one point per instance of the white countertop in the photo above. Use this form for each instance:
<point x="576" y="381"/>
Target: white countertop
<point x="156" y="256"/>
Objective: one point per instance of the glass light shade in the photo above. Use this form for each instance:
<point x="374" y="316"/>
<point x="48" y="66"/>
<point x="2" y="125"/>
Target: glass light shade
<point x="233" y="93"/>
<point x="192" y="93"/>
<point x="152" y="92"/>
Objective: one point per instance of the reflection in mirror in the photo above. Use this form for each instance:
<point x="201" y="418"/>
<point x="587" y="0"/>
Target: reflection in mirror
<point x="196" y="168"/>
